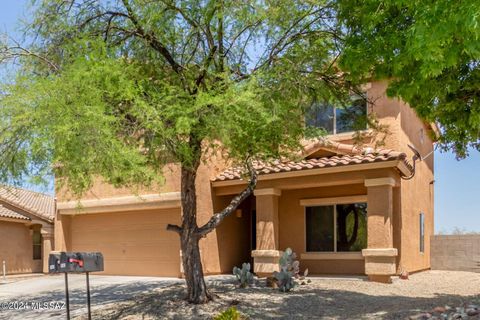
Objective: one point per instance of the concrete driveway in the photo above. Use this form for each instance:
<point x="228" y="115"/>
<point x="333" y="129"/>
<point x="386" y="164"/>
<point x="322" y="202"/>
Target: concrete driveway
<point x="43" y="297"/>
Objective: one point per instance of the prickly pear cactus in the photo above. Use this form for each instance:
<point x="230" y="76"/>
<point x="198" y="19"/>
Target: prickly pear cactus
<point x="285" y="280"/>
<point x="243" y="275"/>
<point x="289" y="271"/>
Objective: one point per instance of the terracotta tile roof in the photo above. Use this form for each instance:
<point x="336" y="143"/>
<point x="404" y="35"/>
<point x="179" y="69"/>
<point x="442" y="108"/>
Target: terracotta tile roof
<point x="7" y="213"/>
<point x="316" y="163"/>
<point x="35" y="203"/>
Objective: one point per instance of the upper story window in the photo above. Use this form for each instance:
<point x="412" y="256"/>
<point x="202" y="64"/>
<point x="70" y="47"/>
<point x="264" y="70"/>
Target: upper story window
<point x="338" y="119"/>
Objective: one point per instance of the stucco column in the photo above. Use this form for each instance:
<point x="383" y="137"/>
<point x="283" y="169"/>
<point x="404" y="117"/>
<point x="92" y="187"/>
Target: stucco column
<point x="267" y="253"/>
<point x="380" y="255"/>
<point x="47" y="245"/>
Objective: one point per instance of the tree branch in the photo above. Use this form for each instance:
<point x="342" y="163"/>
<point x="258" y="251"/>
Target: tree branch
<point x="190" y="21"/>
<point x="203" y="73"/>
<point x="217" y="218"/>
<point x="239" y="34"/>
<point x="112" y="15"/>
<point x="220" y="36"/>
<point x="174" y="228"/>
<point x="152" y="39"/>
<point x="285" y="39"/>
<point x="17" y="51"/>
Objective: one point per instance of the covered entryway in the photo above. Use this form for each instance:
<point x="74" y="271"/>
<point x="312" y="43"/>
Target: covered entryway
<point x="305" y="205"/>
<point x="236" y="235"/>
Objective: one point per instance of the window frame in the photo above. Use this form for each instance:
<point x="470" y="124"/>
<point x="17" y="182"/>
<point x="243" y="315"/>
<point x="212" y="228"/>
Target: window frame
<point x="37" y="245"/>
<point x="324" y="202"/>
<point x="334" y="118"/>
<point x="421" y="233"/>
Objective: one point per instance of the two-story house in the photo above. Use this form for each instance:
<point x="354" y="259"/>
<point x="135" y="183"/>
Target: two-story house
<point x="343" y="209"/>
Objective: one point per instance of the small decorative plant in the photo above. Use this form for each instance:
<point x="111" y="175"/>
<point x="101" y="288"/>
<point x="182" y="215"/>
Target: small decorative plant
<point x="289" y="271"/>
<point x="244" y="276"/>
<point x="229" y="314"/>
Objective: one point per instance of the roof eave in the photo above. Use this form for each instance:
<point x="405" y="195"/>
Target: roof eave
<point x="17" y="220"/>
<point x="167" y="200"/>
<point x="397" y="163"/>
<point x="37" y="215"/>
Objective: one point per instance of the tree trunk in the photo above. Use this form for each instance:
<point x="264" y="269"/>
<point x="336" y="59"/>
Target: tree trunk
<point x="192" y="267"/>
<point x="189" y="238"/>
<point x="190" y="233"/>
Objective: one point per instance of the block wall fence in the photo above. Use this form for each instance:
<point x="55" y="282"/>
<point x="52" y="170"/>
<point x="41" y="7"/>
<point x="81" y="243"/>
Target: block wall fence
<point x="455" y="252"/>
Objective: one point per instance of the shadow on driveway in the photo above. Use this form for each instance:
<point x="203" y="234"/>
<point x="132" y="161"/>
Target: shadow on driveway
<point x="305" y="302"/>
<point x="26" y="299"/>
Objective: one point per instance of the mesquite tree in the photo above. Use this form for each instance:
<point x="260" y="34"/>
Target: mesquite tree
<point x="117" y="89"/>
<point x="431" y="52"/>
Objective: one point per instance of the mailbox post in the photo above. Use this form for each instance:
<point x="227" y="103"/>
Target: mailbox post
<point x="75" y="262"/>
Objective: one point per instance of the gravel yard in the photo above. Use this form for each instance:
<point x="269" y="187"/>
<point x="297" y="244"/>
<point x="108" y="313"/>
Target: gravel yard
<point x="322" y="298"/>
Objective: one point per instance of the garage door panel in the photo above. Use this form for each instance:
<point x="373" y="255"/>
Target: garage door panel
<point x="132" y="243"/>
<point x="136" y="250"/>
<point x="152" y="269"/>
<point x="132" y="225"/>
<point x="115" y="236"/>
<point x="154" y="227"/>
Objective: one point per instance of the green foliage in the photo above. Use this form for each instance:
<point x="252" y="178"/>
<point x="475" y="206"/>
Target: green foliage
<point x="289" y="271"/>
<point x="244" y="276"/>
<point x="73" y="122"/>
<point x="430" y="51"/>
<point x="229" y="314"/>
<point x="285" y="280"/>
<point x="118" y="89"/>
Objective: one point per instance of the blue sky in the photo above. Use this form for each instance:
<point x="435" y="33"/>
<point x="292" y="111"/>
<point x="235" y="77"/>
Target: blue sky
<point x="456" y="182"/>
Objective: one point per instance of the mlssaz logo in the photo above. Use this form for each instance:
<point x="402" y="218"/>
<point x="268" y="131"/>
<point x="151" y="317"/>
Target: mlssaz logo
<point x="57" y="305"/>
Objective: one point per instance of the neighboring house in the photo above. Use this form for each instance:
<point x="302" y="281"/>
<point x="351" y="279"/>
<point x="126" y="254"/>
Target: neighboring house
<point x="26" y="230"/>
<point x="343" y="209"/>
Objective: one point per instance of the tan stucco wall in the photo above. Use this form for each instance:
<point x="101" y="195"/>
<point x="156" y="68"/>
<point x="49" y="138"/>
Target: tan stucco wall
<point x="63" y="234"/>
<point x="102" y="190"/>
<point x="16" y="248"/>
<point x="225" y="247"/>
<point x="415" y="195"/>
<point x="416" y="198"/>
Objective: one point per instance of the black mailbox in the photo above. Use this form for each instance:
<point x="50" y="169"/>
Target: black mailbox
<point x="54" y="262"/>
<point x="92" y="261"/>
<point x="75" y="262"/>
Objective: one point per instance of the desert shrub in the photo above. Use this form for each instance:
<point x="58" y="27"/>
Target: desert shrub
<point x="289" y="271"/>
<point x="244" y="276"/>
<point x="229" y="314"/>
